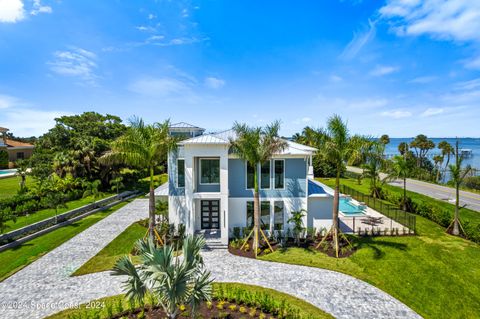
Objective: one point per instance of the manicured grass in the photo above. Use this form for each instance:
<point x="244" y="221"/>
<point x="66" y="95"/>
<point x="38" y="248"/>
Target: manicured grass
<point x="14" y="259"/>
<point x="304" y="309"/>
<point x="40" y="215"/>
<point x="10" y="185"/>
<point x="435" y="274"/>
<point x="107" y="257"/>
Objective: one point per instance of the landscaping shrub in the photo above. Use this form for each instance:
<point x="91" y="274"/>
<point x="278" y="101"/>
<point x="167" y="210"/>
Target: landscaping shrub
<point x="3" y="159"/>
<point x="472" y="182"/>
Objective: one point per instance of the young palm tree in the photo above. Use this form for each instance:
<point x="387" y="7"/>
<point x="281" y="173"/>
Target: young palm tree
<point x="145" y="147"/>
<point x="257" y="145"/>
<point x="22" y="171"/>
<point x="297" y="221"/>
<point x="447" y="150"/>
<point x="92" y="189"/>
<point x="338" y="148"/>
<point x="171" y="281"/>
<point x="374" y="164"/>
<point x="400" y="168"/>
<point x="458" y="175"/>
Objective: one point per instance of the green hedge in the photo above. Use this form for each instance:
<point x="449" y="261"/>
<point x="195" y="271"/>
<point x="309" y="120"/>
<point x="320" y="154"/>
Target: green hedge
<point x="3" y="159"/>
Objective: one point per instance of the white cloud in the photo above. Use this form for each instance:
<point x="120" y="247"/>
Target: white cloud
<point x="468" y="85"/>
<point x="76" y="62"/>
<point x="423" y="79"/>
<point x="457" y="20"/>
<point x="145" y="28"/>
<point x="7" y="101"/>
<point x="359" y="40"/>
<point x="397" y="114"/>
<point x="432" y="111"/>
<point x="162" y="87"/>
<point x="382" y="70"/>
<point x="39" y="8"/>
<point x="214" y="83"/>
<point x="335" y="78"/>
<point x="303" y="120"/>
<point x="30" y="122"/>
<point x="368" y="103"/>
<point x="473" y="63"/>
<point x="11" y="11"/>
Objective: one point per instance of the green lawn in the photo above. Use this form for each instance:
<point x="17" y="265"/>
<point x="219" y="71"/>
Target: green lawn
<point x="245" y="293"/>
<point x="435" y="274"/>
<point x="10" y="185"/>
<point x="13" y="260"/>
<point x="40" y="215"/>
<point x="121" y="245"/>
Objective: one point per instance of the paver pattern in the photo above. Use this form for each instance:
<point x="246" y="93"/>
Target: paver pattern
<point x="45" y="286"/>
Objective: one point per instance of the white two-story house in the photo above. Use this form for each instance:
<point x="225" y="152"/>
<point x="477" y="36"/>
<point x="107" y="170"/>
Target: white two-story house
<point x="210" y="188"/>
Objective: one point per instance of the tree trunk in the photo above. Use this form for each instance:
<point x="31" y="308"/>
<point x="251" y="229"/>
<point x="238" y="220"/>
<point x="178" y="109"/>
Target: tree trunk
<point x="151" y="205"/>
<point x="405" y="194"/>
<point x="335" y="211"/>
<point x="456" y="230"/>
<point x="256" y="211"/>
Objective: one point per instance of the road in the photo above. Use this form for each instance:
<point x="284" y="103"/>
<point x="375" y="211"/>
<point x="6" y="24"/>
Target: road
<point x="446" y="194"/>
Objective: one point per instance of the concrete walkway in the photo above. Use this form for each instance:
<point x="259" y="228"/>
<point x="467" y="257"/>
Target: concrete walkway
<point x="45" y="287"/>
<point x="446" y="194"/>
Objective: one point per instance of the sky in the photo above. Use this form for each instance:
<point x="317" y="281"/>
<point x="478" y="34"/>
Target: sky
<point x="397" y="67"/>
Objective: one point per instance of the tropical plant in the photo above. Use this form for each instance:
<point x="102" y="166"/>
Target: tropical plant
<point x="373" y="166"/>
<point x="384" y="139"/>
<point x="458" y="175"/>
<point x="421" y="145"/>
<point x="3" y="159"/>
<point x="438" y="160"/>
<point x="447" y="151"/>
<point x="403" y="148"/>
<point x="54" y="200"/>
<point x="256" y="145"/>
<point x="92" y="189"/>
<point x="6" y="214"/>
<point x="297" y="221"/>
<point x="22" y="171"/>
<point x="144" y="147"/>
<point x="171" y="281"/>
<point x="400" y="168"/>
<point x="116" y="184"/>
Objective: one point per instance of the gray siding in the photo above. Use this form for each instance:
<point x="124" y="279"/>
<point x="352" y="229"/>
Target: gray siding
<point x="173" y="190"/>
<point x="295" y="180"/>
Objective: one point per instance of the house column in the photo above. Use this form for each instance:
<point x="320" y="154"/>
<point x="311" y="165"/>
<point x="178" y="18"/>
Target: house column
<point x="224" y="231"/>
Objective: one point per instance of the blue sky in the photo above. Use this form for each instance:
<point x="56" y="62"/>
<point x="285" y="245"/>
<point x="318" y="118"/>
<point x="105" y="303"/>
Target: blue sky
<point x="396" y="67"/>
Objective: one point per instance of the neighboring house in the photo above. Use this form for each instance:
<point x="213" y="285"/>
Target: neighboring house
<point x="16" y="150"/>
<point x="209" y="188"/>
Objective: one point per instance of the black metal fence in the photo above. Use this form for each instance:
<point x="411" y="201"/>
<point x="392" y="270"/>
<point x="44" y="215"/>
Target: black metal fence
<point x="391" y="211"/>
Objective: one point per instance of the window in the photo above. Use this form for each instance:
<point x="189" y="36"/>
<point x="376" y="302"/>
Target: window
<point x="279" y="167"/>
<point x="250" y="176"/>
<point x="20" y="155"/>
<point x="180" y="173"/>
<point x="209" y="171"/>
<point x="278" y="215"/>
<point x="265" y="175"/>
<point x="249" y="214"/>
<point x="265" y="215"/>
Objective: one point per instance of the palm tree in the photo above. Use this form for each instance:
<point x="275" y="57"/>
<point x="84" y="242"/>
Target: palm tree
<point x="400" y="168"/>
<point x="297" y="221"/>
<point x="256" y="145"/>
<point x="457" y="175"/>
<point x="447" y="150"/>
<point x="338" y="149"/>
<point x="171" y="281"/>
<point x="374" y="164"/>
<point x="144" y="147"/>
<point x="438" y="160"/>
<point x="22" y="171"/>
<point x="92" y="189"/>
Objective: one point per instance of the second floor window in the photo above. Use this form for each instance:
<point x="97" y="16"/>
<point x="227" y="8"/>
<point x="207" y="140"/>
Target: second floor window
<point x="265" y="175"/>
<point x="250" y="176"/>
<point x="181" y="173"/>
<point x="209" y="171"/>
<point x="279" y="171"/>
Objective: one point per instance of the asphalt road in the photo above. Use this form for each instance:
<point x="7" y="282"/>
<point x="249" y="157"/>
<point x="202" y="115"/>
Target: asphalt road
<point x="447" y="194"/>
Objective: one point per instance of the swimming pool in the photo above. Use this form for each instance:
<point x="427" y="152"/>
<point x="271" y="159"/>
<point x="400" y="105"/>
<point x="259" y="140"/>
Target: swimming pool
<point x="7" y="171"/>
<point x="348" y="208"/>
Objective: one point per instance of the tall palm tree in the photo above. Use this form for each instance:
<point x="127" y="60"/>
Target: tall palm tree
<point x="400" y="168"/>
<point x="373" y="166"/>
<point x="447" y="150"/>
<point x="458" y="175"/>
<point x="144" y="147"/>
<point x="339" y="149"/>
<point x="173" y="282"/>
<point x="438" y="160"/>
<point x="257" y="145"/>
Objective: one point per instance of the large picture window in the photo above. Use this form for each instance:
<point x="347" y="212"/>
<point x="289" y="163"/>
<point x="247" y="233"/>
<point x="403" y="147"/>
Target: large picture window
<point x="180" y="173"/>
<point x="265" y="215"/>
<point x="249" y="214"/>
<point x="265" y="175"/>
<point x="209" y="171"/>
<point x="250" y="176"/>
<point x="278" y="215"/>
<point x="279" y="167"/>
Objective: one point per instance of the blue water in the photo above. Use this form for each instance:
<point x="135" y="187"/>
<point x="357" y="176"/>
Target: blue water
<point x="6" y="171"/>
<point x="471" y="143"/>
<point x="348" y="208"/>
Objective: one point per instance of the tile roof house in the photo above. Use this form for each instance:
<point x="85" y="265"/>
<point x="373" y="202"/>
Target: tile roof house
<point x="16" y="150"/>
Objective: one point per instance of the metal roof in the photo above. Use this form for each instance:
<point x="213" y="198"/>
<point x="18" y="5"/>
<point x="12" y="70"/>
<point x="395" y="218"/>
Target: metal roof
<point x="161" y="190"/>
<point x="317" y="189"/>
<point x="183" y="125"/>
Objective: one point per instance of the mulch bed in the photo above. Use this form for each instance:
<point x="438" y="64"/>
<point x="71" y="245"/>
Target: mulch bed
<point x="217" y="309"/>
<point x="304" y="243"/>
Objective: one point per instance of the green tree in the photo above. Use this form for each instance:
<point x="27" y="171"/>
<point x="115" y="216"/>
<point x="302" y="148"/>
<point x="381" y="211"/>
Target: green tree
<point x="256" y="145"/>
<point x="384" y="139"/>
<point x="3" y="159"/>
<point x="400" y="169"/>
<point x="116" y="184"/>
<point x="297" y="221"/>
<point x="23" y="171"/>
<point x="173" y="282"/>
<point x="403" y="148"/>
<point x="458" y="175"/>
<point x="447" y="151"/>
<point x="438" y="160"/>
<point x="6" y="214"/>
<point x="92" y="189"/>
<point x="54" y="200"/>
<point x="421" y="145"/>
<point x="371" y="169"/>
<point x="144" y="147"/>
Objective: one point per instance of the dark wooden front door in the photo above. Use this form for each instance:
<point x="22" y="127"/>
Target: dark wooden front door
<point x="210" y="214"/>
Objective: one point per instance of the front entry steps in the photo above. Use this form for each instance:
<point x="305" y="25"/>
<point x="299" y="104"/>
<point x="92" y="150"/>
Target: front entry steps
<point x="212" y="238"/>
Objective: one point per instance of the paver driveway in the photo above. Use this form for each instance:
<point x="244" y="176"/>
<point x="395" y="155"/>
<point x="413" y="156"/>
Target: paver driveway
<point x="45" y="287"/>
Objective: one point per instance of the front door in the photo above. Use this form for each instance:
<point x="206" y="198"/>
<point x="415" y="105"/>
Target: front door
<point x="210" y="214"/>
